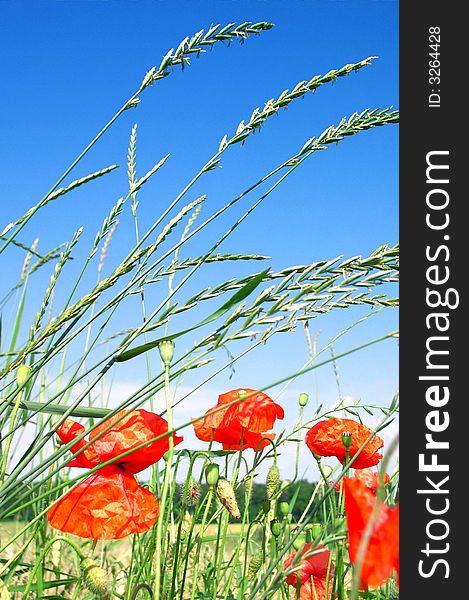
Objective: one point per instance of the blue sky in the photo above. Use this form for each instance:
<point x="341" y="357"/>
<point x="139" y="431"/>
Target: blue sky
<point x="68" y="65"/>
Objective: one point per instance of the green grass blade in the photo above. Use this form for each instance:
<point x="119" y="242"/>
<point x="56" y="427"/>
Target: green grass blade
<point x="240" y="295"/>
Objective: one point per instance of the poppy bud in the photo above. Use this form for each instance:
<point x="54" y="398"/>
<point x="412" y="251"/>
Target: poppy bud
<point x="166" y="348"/>
<point x="303" y="399"/>
<point x="255" y="564"/>
<point x="266" y="506"/>
<point x="272" y="481"/>
<point x="22" y="375"/>
<point x="94" y="577"/>
<point x="226" y="495"/>
<point x="316" y="530"/>
<point x="327" y="471"/>
<point x="212" y="474"/>
<point x="299" y="541"/>
<point x="339" y="523"/>
<point x="284" y="508"/>
<point x="275" y="527"/>
<point x="347" y="439"/>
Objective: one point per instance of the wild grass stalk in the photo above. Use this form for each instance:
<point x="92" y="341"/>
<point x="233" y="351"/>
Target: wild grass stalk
<point x="190" y="552"/>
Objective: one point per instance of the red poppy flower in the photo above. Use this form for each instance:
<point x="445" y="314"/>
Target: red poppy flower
<point x="325" y="439"/>
<point x="110" y="504"/>
<point x="381" y="556"/>
<point x="368" y="477"/>
<point x="312" y="573"/>
<point x="241" y="425"/>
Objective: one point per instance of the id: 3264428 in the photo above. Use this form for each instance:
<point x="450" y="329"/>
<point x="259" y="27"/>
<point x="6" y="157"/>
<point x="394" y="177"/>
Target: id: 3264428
<point x="434" y="73"/>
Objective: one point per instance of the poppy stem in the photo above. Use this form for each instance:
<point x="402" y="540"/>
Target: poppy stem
<point x="14" y="412"/>
<point x="166" y="356"/>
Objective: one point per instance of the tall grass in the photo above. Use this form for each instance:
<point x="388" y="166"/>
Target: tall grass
<point x="194" y="550"/>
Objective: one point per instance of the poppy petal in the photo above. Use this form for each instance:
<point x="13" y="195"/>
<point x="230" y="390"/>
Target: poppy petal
<point x="109" y="504"/>
<point x="382" y="553"/>
<point x="201" y="430"/>
<point x="129" y="429"/>
<point x="370" y="479"/>
<point x="312" y="572"/>
<point x="325" y="439"/>
<point x="67" y="432"/>
<point x="241" y="425"/>
<point x="315" y="589"/>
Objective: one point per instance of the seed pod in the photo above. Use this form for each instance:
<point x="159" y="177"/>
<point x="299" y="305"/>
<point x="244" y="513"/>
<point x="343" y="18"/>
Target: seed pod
<point x="303" y="399"/>
<point x="166" y="348"/>
<point x="275" y="527"/>
<point x="255" y="564"/>
<point x="212" y="474"/>
<point x="227" y="497"/>
<point x="22" y="374"/>
<point x="94" y="577"/>
<point x="299" y="541"/>
<point x="272" y="481"/>
<point x="284" y="508"/>
<point x="316" y="530"/>
<point x="347" y="439"/>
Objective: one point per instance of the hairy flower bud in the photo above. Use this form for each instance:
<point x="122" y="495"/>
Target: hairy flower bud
<point x="226" y="495"/>
<point x="94" y="577"/>
<point x="266" y="505"/>
<point x="272" y="481"/>
<point x="327" y="471"/>
<point x="191" y="490"/>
